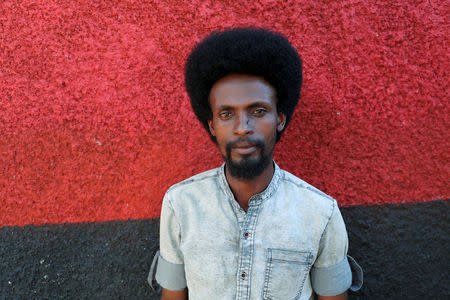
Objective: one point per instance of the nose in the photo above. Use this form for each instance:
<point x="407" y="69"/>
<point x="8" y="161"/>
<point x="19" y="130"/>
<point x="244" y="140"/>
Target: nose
<point x="242" y="125"/>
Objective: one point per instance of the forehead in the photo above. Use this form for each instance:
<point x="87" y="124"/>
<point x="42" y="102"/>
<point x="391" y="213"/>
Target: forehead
<point x="241" y="89"/>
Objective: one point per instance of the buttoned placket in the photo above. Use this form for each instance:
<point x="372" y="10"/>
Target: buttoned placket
<point x="247" y="224"/>
<point x="246" y="243"/>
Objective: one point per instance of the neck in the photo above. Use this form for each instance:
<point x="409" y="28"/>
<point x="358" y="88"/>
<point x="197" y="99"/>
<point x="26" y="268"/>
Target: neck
<point x="244" y="189"/>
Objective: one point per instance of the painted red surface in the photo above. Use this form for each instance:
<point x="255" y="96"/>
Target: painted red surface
<point x="95" y="123"/>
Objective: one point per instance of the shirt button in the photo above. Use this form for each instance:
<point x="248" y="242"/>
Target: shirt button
<point x="246" y="235"/>
<point x="243" y="275"/>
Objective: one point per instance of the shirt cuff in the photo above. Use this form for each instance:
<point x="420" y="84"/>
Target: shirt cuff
<point x="170" y="276"/>
<point x="333" y="280"/>
<point x="151" y="275"/>
<point x="357" y="274"/>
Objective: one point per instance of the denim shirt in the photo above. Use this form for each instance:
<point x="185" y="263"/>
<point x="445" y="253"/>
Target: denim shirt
<point x="292" y="240"/>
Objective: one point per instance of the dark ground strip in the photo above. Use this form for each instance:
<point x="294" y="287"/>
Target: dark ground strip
<point x="403" y="250"/>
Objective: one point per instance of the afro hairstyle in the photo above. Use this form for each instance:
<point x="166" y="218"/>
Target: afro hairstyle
<point x="253" y="51"/>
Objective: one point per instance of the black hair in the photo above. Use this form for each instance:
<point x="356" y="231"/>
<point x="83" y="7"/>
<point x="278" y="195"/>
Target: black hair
<point x="253" y="51"/>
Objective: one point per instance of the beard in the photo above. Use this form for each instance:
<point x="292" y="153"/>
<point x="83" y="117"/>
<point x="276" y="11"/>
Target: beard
<point x="248" y="167"/>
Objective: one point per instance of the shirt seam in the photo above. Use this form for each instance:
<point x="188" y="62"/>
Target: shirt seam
<point x="300" y="185"/>
<point x="189" y="181"/>
<point x="325" y="229"/>
<point x="170" y="205"/>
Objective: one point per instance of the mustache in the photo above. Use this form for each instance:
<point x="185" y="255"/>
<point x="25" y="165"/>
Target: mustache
<point x="255" y="142"/>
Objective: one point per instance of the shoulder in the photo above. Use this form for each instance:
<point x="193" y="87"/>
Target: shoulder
<point x="315" y="198"/>
<point x="300" y="184"/>
<point x="195" y="183"/>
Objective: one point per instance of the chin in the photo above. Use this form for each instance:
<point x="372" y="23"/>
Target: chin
<point x="247" y="167"/>
<point x="246" y="159"/>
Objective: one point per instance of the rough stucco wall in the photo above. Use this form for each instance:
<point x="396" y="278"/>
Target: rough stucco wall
<point x="95" y="124"/>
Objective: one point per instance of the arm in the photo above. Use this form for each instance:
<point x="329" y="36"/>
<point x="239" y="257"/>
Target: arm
<point x="342" y="296"/>
<point x="170" y="269"/>
<point x="174" y="295"/>
<point x="331" y="274"/>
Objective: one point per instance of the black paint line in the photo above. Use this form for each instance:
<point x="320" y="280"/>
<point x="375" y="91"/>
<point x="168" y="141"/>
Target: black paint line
<point x="77" y="261"/>
<point x="403" y="250"/>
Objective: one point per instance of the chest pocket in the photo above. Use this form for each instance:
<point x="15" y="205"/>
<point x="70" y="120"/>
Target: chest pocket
<point x="286" y="272"/>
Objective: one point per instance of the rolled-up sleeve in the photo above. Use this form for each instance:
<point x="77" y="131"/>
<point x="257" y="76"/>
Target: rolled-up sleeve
<point x="331" y="273"/>
<point x="170" y="276"/>
<point x="170" y="266"/>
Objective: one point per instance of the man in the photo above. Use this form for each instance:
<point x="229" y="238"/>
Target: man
<point x="248" y="230"/>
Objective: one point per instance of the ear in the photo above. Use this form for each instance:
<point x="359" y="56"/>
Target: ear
<point x="281" y="122"/>
<point x="211" y="128"/>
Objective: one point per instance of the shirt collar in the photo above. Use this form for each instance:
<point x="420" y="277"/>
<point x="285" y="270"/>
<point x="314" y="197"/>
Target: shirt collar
<point x="257" y="198"/>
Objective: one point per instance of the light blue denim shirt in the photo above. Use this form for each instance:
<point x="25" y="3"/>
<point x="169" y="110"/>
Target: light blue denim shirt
<point x="292" y="240"/>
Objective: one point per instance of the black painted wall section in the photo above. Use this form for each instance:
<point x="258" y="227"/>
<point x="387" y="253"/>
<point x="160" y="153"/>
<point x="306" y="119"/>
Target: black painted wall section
<point x="403" y="250"/>
<point x="77" y="261"/>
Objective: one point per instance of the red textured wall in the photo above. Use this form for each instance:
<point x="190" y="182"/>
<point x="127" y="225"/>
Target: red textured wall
<point x="95" y="123"/>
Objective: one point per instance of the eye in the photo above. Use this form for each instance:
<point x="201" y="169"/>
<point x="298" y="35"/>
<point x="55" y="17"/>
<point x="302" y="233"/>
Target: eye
<point x="224" y="115"/>
<point x="259" y="111"/>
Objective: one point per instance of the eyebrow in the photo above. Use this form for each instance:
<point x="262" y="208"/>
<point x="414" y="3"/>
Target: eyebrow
<point x="255" y="104"/>
<point x="259" y="103"/>
<point x="224" y="107"/>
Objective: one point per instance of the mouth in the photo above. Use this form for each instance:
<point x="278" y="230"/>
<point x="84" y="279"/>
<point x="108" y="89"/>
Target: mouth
<point x="244" y="148"/>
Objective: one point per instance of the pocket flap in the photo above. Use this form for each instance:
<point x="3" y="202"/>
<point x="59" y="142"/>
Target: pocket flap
<point x="292" y="256"/>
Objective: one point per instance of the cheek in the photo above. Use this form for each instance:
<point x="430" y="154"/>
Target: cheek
<point x="221" y="137"/>
<point x="268" y="127"/>
<point x="220" y="131"/>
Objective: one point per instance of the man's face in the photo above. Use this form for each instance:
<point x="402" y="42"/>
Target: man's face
<point x="245" y="123"/>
